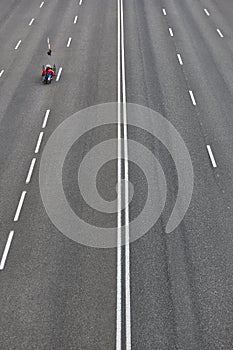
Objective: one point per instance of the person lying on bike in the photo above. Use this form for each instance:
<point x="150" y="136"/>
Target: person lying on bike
<point x="47" y="71"/>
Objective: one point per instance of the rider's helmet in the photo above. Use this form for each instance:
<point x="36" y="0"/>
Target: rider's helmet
<point x="48" y="66"/>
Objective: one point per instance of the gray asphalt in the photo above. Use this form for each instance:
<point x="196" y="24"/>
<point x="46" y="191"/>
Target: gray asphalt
<point x="57" y="294"/>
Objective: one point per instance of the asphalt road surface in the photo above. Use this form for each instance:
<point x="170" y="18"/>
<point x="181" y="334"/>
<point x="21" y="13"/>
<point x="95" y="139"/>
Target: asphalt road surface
<point x="165" y="290"/>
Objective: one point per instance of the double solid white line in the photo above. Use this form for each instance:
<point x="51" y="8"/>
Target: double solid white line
<point x="122" y="110"/>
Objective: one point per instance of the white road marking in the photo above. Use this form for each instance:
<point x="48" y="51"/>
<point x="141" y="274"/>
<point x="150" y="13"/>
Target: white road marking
<point x="220" y="33"/>
<point x="39" y="142"/>
<point x="207" y="12"/>
<point x="119" y="219"/>
<point x="126" y="177"/>
<point x="20" y="205"/>
<point x="75" y="19"/>
<point x="59" y="74"/>
<point x="6" y="250"/>
<point x="46" y="118"/>
<point x="164" y="12"/>
<point x="180" y="59"/>
<point x="32" y="20"/>
<point x="211" y="156"/>
<point x="1" y="73"/>
<point x="80" y="2"/>
<point x="30" y="171"/>
<point x="192" y="97"/>
<point x="171" y="32"/>
<point x="17" y="46"/>
<point x="42" y="4"/>
<point x="69" y="42"/>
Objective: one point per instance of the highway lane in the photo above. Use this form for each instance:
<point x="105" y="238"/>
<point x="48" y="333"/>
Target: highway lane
<point x="179" y="299"/>
<point x="55" y="294"/>
<point x="59" y="295"/>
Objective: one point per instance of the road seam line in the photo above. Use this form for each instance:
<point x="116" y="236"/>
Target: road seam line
<point x="119" y="222"/>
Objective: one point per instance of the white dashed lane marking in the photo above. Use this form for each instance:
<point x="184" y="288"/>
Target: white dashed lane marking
<point x="180" y="59"/>
<point x="46" y="118"/>
<point x="39" y="142"/>
<point x="171" y="32"/>
<point x="220" y="33"/>
<point x="192" y="97"/>
<point x="18" y="44"/>
<point x="32" y="20"/>
<point x="59" y="74"/>
<point x="75" y="19"/>
<point x="211" y="156"/>
<point x="20" y="205"/>
<point x="6" y="250"/>
<point x="30" y="172"/>
<point x="69" y="42"/>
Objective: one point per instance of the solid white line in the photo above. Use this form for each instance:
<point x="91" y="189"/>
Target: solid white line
<point x="39" y="142"/>
<point x="17" y="46"/>
<point x="32" y="20"/>
<point x="180" y="59"/>
<point x="164" y="12"/>
<point x="46" y="118"/>
<point x="30" y="171"/>
<point x="59" y="74"/>
<point x="80" y="2"/>
<point x="207" y="12"/>
<point x="20" y="205"/>
<point x="119" y="219"/>
<point x="1" y="73"/>
<point x="126" y="177"/>
<point x="6" y="250"/>
<point x="69" y="42"/>
<point x="220" y="33"/>
<point x="75" y="19"/>
<point x="192" y="97"/>
<point x="211" y="156"/>
<point x="42" y="4"/>
<point x="171" y="32"/>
